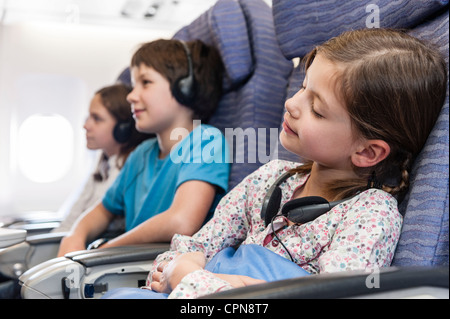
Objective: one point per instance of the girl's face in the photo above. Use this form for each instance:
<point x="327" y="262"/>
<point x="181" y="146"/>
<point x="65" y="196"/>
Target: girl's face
<point x="153" y="106"/>
<point x="316" y="125"/>
<point x="99" y="127"/>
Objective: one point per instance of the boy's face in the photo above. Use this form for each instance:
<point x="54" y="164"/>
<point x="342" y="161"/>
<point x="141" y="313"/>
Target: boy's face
<point x="153" y="106"/>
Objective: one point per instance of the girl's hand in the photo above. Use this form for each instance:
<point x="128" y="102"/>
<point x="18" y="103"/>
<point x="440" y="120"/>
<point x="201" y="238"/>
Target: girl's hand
<point x="159" y="280"/>
<point x="169" y="274"/>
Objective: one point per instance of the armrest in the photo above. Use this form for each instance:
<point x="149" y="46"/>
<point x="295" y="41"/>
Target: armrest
<point x="28" y="252"/>
<point x="90" y="273"/>
<point x="32" y="225"/>
<point x="114" y="255"/>
<point x="45" y="238"/>
<point x="346" y="285"/>
<point x="36" y="228"/>
<point x="9" y="237"/>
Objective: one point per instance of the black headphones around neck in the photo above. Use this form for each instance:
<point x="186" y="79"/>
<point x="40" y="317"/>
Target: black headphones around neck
<point x="299" y="210"/>
<point x="183" y="88"/>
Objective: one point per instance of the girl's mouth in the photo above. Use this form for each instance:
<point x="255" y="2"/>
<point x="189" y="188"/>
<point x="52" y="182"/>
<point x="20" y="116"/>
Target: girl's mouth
<point x="288" y="129"/>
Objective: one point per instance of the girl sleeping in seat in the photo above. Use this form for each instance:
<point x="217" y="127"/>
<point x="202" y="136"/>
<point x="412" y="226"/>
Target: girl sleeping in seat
<point x="368" y="102"/>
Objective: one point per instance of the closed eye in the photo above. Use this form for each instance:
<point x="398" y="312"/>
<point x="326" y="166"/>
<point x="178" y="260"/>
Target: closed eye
<point x="313" y="111"/>
<point x="318" y="115"/>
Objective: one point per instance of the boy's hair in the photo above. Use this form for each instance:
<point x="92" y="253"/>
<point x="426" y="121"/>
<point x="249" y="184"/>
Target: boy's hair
<point x="170" y="59"/>
<point x="114" y="99"/>
<point x="393" y="86"/>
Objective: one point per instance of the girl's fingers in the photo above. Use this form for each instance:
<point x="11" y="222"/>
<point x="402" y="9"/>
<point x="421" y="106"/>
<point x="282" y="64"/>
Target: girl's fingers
<point x="155" y="286"/>
<point x="161" y="266"/>
<point x="156" y="276"/>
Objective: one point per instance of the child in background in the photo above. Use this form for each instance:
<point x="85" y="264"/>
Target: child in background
<point x="159" y="191"/>
<point x="368" y="103"/>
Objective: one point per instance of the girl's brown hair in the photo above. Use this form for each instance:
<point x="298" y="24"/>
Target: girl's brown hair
<point x="393" y="86"/>
<point x="169" y="58"/>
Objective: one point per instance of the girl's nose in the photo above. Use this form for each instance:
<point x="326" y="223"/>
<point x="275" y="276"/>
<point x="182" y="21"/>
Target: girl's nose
<point x="291" y="108"/>
<point x="86" y="124"/>
<point x="294" y="104"/>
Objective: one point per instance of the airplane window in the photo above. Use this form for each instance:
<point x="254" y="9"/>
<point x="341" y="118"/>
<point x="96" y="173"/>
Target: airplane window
<point x="45" y="147"/>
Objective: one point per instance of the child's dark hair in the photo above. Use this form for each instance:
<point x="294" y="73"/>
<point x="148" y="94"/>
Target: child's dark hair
<point x="169" y="58"/>
<point x="114" y="99"/>
<point x="393" y="86"/>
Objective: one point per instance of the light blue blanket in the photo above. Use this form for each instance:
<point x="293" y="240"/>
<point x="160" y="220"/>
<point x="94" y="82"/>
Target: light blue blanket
<point x="249" y="260"/>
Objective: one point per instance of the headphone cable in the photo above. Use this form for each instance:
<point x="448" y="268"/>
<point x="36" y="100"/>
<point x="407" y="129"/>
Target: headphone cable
<point x="279" y="240"/>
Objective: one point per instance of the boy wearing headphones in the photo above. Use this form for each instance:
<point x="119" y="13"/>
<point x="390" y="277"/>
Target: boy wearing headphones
<point x="169" y="184"/>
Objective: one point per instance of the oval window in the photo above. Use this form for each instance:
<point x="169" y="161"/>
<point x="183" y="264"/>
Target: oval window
<point x="45" y="147"/>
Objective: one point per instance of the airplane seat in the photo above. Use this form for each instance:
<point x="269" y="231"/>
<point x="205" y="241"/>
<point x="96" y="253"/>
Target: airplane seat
<point x="420" y="264"/>
<point x="125" y="77"/>
<point x="424" y="238"/>
<point x="256" y="75"/>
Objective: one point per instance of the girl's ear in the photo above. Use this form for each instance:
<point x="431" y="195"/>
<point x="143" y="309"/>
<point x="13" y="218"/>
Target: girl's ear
<point x="371" y="153"/>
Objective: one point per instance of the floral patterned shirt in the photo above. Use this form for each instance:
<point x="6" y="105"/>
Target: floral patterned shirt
<point x="360" y="233"/>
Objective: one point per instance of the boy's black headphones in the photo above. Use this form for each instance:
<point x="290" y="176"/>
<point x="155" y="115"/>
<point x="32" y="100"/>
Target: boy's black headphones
<point x="299" y="210"/>
<point x="183" y="88"/>
<point x="122" y="130"/>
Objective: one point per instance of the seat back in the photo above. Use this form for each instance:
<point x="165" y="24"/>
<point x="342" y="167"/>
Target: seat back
<point x="301" y="24"/>
<point x="256" y="75"/>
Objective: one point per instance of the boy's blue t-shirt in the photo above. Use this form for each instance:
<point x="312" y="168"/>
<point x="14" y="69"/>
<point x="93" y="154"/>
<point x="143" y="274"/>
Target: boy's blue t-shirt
<point x="146" y="184"/>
